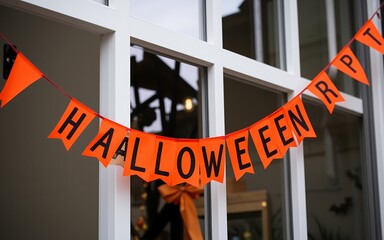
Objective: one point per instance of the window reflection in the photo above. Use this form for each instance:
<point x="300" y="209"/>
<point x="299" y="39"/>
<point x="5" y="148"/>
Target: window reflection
<point x="164" y="101"/>
<point x="255" y="202"/>
<point x="250" y="28"/>
<point x="184" y="16"/>
<point x="333" y="176"/>
<point x="322" y="36"/>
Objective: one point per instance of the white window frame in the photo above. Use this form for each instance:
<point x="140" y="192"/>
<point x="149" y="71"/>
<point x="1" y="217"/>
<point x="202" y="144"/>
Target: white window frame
<point x="377" y="75"/>
<point x="117" y="30"/>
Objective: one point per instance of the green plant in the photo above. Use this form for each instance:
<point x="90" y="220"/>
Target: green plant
<point x="325" y="234"/>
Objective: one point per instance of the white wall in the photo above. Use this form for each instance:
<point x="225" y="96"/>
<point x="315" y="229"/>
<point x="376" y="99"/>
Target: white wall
<point x="47" y="192"/>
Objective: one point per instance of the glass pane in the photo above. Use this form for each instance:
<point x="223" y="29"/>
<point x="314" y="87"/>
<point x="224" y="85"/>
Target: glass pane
<point x="333" y="176"/>
<point x="164" y="101"/>
<point x="323" y="35"/>
<point x="184" y="16"/>
<point x="250" y="28"/>
<point x="255" y="202"/>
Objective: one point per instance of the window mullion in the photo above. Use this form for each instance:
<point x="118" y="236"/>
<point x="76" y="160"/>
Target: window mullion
<point x="216" y="205"/>
<point x="377" y="74"/>
<point x="114" y="194"/>
<point x="214" y="23"/>
<point x="296" y="155"/>
<point x="291" y="34"/>
<point x="215" y="197"/>
<point x="114" y="188"/>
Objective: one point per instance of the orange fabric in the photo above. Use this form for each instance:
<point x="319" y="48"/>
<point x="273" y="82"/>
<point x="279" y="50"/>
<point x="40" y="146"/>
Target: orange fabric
<point x="23" y="74"/>
<point x="370" y="36"/>
<point x="323" y="87"/>
<point x="73" y="122"/>
<point x="119" y="157"/>
<point x="212" y="159"/>
<point x="184" y="196"/>
<point x="164" y="160"/>
<point x="140" y="154"/>
<point x="298" y="119"/>
<point x="186" y="169"/>
<point x="284" y="134"/>
<point x="237" y="144"/>
<point x="265" y="138"/>
<point x="106" y="142"/>
<point x="347" y="62"/>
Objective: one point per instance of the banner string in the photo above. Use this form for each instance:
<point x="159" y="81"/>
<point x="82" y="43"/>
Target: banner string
<point x="349" y="42"/>
<point x="60" y="89"/>
<point x="326" y="67"/>
<point x="329" y="64"/>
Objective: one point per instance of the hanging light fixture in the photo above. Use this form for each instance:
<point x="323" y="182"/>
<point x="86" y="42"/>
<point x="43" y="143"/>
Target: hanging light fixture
<point x="188" y="104"/>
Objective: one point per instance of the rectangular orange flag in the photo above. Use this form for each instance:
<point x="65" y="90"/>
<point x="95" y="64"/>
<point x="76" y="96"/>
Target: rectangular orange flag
<point x="212" y="160"/>
<point x="284" y="132"/>
<point x="237" y="145"/>
<point x="265" y="139"/>
<point x="120" y="154"/>
<point x="347" y="62"/>
<point x="186" y="169"/>
<point x="165" y="160"/>
<point x="323" y="87"/>
<point x="140" y="154"/>
<point x="23" y="74"/>
<point x="73" y="122"/>
<point x="298" y="119"/>
<point x="370" y="36"/>
<point x="106" y="142"/>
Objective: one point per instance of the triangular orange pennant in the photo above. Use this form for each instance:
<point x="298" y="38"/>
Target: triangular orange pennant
<point x="323" y="87"/>
<point x="106" y="142"/>
<point x="73" y="122"/>
<point x="121" y="152"/>
<point x="347" y="62"/>
<point x="165" y="160"/>
<point x="23" y="74"/>
<point x="237" y="145"/>
<point x="186" y="169"/>
<point x="212" y="160"/>
<point x="370" y="36"/>
<point x="298" y="120"/>
<point x="265" y="139"/>
<point x="140" y="154"/>
<point x="284" y="131"/>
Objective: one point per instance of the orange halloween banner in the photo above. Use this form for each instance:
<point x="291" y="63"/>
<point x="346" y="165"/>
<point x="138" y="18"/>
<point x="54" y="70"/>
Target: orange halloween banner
<point x="272" y="137"/>
<point x="325" y="90"/>
<point x="165" y="150"/>
<point x="285" y="134"/>
<point x="237" y="145"/>
<point x="197" y="161"/>
<point x="186" y="169"/>
<point x="265" y="138"/>
<point x="106" y="142"/>
<point x="73" y="122"/>
<point x="298" y="120"/>
<point x="212" y="160"/>
<point x="347" y="62"/>
<point x="23" y="74"/>
<point x="370" y="36"/>
<point x="140" y="154"/>
<point x="119" y="157"/>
